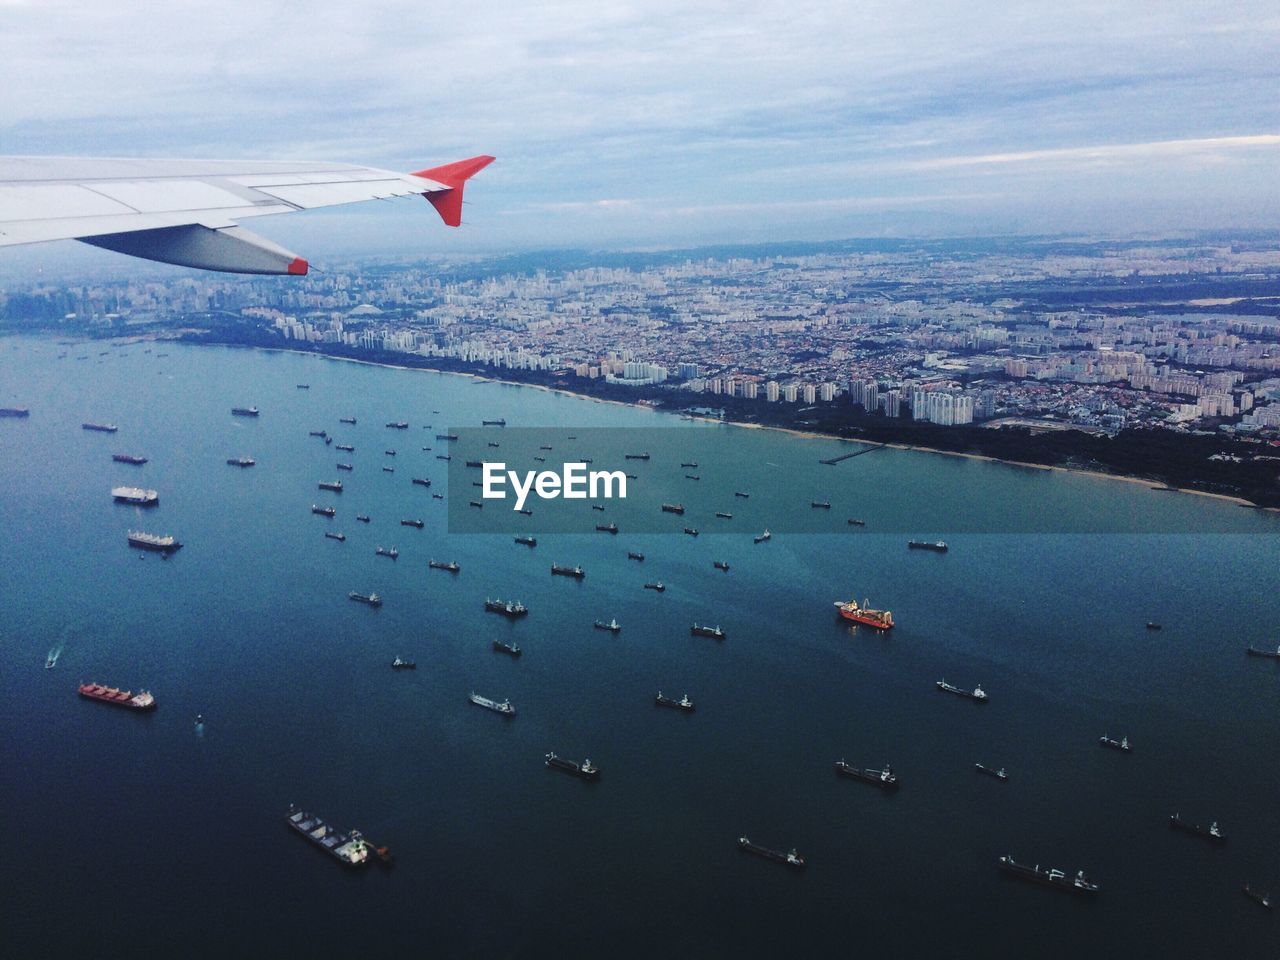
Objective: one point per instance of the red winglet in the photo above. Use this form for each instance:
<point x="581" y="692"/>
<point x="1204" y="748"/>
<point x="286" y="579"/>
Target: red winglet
<point x="448" y="203"/>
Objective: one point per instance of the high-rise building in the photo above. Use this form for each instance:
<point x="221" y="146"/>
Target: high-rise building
<point x="810" y="393"/>
<point x="790" y="392"/>
<point x="750" y="389"/>
<point x="827" y="392"/>
<point x="771" y="391"/>
<point x="892" y="403"/>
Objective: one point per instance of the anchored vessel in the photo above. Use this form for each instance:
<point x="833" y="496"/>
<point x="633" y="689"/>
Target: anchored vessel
<point x="384" y="552"/>
<point x="142" y="700"/>
<point x="790" y="858"/>
<point x="937" y="546"/>
<point x="527" y="541"/>
<point x="136" y="496"/>
<point x="856" y="523"/>
<point x="586" y="769"/>
<point x="724" y="516"/>
<point x="700" y="631"/>
<point x="102" y="427"/>
<point x="721" y="565"/>
<point x="739" y="493"/>
<point x="977" y="694"/>
<point x="349" y="849"/>
<point x="322" y="434"/>
<point x="655" y="586"/>
<point x="412" y="523"/>
<point x="1262" y="899"/>
<point x="1079" y="884"/>
<point x="612" y="626"/>
<point x="241" y="461"/>
<point x="344" y="446"/>
<point x="372" y="599"/>
<point x="475" y="463"/>
<point x="691" y="531"/>
<point x="244" y="411"/>
<point x="561" y="571"/>
<point x="1255" y="652"/>
<point x="494" y="423"/>
<point x="1121" y="744"/>
<point x="505" y="708"/>
<point x="991" y="771"/>
<point x="335" y="536"/>
<point x="525" y="511"/>
<point x="690" y="463"/>
<point x="363" y="518"/>
<point x="508" y="608"/>
<point x="879" y="619"/>
<point x="632" y="555"/>
<point x="507" y="648"/>
<point x="398" y="425"/>
<point x="446" y="436"/>
<point x="323" y="511"/>
<point x="451" y="566"/>
<point x="334" y="485"/>
<point x="764" y="536"/>
<point x="15" y="411"/>
<point x="886" y="779"/>
<point x="345" y="466"/>
<point x="692" y="476"/>
<point x="607" y="527"/>
<point x="422" y="481"/>
<point x="128" y="458"/>
<point x="636" y="456"/>
<point x="820" y="504"/>
<point x="151" y="541"/>
<point x="399" y="664"/>
<point x="1212" y="832"/>
<point x="684" y="703"/>
<point x="351" y="420"/>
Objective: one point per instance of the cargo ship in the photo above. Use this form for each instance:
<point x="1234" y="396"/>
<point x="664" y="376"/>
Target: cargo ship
<point x="724" y="516"/>
<point x="421" y="482"/>
<point x="524" y="511"/>
<point x="398" y="425"/>
<point x="371" y="599"/>
<point x="1258" y="897"/>
<point x="446" y="436"/>
<point x="991" y="771"/>
<point x="412" y="523"/>
<point x="739" y="493"/>
<point x="244" y="411"/>
<point x="505" y="708"/>
<point x="937" y="546"/>
<point x="856" y="523"/>
<point x="636" y="456"/>
<point x="886" y="779"/>
<point x="510" y="649"/>
<point x="612" y="626"/>
<point x="322" y="434"/>
<point x="349" y="849"/>
<point x="790" y="858"/>
<point x="692" y="476"/>
<point x="385" y="552"/>
<point x="1122" y="744"/>
<point x="632" y="555"/>
<point x="345" y="466"/>
<point x="820" y="504"/>
<point x="673" y="508"/>
<point x="493" y="423"/>
<point x="977" y="694"/>
<point x="606" y="527"/>
<point x="100" y="427"/>
<point x="691" y="531"/>
<point x="151" y="541"/>
<point x="389" y="453"/>
<point x="388" y="469"/>
<point x="1255" y="652"/>
<point x="241" y="461"/>
<point x="546" y="446"/>
<point x="657" y="587"/>
<point x="475" y="463"/>
<point x="15" y="411"/>
<point x="336" y="536"/>
<point x="451" y="566"/>
<point x="350" y="420"/>
<point x="879" y="619"/>
<point x="128" y="458"/>
<point x="437" y="496"/>
<point x="763" y="537"/>
<point x="527" y="541"/>
<point x="684" y="703"/>
<point x="1212" y="832"/>
<point x="443" y="456"/>
<point x="691" y="464"/>
<point x="1078" y="884"/>
<point x="363" y="518"/>
<point x="399" y="664"/>
<point x="334" y="485"/>
<point x="720" y="565"/>
<point x="586" y="769"/>
<point x="135" y="496"/>
<point x="348" y="447"/>
<point x="142" y="700"/>
<point x="508" y="608"/>
<point x="700" y="631"/>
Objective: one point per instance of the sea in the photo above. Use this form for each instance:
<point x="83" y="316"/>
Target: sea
<point x="127" y="833"/>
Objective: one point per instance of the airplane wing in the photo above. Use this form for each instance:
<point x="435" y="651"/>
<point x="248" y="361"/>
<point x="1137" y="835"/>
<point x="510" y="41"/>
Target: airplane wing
<point x="187" y="212"/>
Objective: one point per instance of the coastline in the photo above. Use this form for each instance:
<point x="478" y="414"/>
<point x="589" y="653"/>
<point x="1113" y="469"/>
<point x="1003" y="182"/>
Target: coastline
<point x="810" y="434"/>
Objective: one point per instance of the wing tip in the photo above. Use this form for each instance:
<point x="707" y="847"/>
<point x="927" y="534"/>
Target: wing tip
<point x="298" y="268"/>
<point x="453" y="176"/>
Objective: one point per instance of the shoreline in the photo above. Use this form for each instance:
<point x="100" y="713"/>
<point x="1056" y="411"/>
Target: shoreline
<point x="809" y="434"/>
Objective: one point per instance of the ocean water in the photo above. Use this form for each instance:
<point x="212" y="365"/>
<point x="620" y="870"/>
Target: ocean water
<point x="134" y="832"/>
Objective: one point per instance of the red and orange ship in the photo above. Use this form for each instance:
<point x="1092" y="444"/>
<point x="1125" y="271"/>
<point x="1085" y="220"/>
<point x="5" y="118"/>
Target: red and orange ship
<point x="880" y="619"/>
<point x="142" y="700"/>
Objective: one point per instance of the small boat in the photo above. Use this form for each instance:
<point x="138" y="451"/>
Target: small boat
<point x="494" y="443"/>
<point x="477" y="504"/>
<point x="304" y="386"/>
<point x="527" y="541"/>
<point x="598" y="506"/>
<point x="701" y="631"/>
<point x="371" y="599"/>
<point x="541" y="459"/>
<point x="1212" y="832"/>
<point x="384" y="552"/>
<point x="399" y="664"/>
<point x="1122" y="744"/>
<point x="632" y="555"/>
<point x="886" y="779"/>
<point x="335" y="536"/>
<point x="244" y="411"/>
<point x="437" y="496"/>
<point x="474" y="463"/>
<point x="451" y="566"/>
<point x="684" y="703"/>
<point x="739" y="493"/>
<point x="655" y="586"/>
<point x="388" y="469"/>
<point x="104" y="427"/>
<point x="1152" y="625"/>
<point x="363" y="518"/>
<point x="51" y="660"/>
<point x="820" y="504"/>
<point x="525" y="511"/>
<point x="1256" y="652"/>
<point x="510" y="649"/>
<point x="612" y="626"/>
<point x="692" y="476"/>
<point x="977" y="694"/>
<point x="763" y="537"/>
<point x="607" y="527"/>
<point x="1262" y="899"/>
<point x="389" y="453"/>
<point x="720" y="565"/>
<point x="412" y="523"/>
<point x="991" y="771"/>
<point x="544" y="447"/>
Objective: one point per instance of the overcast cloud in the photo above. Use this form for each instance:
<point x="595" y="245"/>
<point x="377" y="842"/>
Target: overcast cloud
<point x="645" y="123"/>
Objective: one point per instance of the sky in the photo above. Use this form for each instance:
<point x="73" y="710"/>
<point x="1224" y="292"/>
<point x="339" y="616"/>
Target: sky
<point x="644" y="124"/>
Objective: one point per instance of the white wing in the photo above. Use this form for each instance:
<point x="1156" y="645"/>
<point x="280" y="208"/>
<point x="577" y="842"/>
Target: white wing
<point x="186" y="211"/>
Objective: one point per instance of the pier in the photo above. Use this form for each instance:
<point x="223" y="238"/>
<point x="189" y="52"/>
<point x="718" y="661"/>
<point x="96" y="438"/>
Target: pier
<point x="832" y="461"/>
